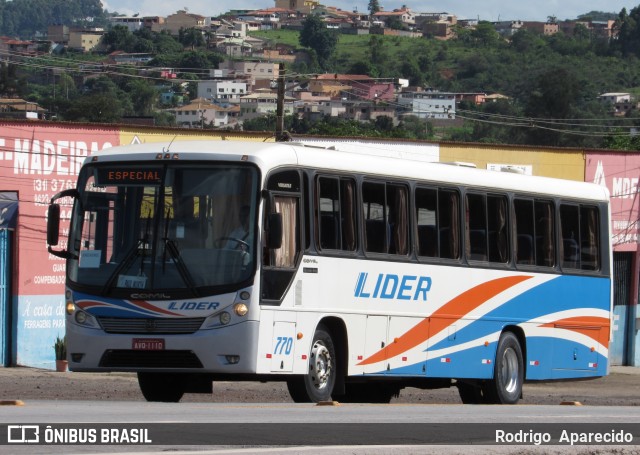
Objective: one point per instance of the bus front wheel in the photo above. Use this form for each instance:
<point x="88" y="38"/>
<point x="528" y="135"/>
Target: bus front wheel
<point x="508" y="373"/>
<point x="317" y="385"/>
<point x="165" y="387"/>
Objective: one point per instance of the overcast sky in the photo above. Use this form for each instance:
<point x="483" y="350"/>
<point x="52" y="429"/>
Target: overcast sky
<point x="489" y="10"/>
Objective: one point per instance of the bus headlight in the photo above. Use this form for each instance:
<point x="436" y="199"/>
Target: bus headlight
<point x="225" y="318"/>
<point x="240" y="309"/>
<point x="85" y="319"/>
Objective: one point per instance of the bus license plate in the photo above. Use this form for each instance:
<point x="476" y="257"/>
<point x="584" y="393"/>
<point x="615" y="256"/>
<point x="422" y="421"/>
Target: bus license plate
<point x="148" y="344"/>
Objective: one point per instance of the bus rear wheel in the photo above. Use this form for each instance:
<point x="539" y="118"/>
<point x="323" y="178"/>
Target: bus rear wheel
<point x="508" y="372"/>
<point x="317" y="385"/>
<point x="165" y="387"/>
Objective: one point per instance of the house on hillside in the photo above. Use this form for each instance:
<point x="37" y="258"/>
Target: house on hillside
<point x="429" y="104"/>
<point x="132" y="23"/>
<point x="619" y="104"/>
<point x="259" y="74"/>
<point x="437" y="25"/>
<point x="353" y="86"/>
<point x="368" y="111"/>
<point x="262" y="102"/>
<point x="180" y="20"/>
<point x="543" y="28"/>
<point x="85" y="40"/>
<point x="58" y="33"/>
<point x="305" y="7"/>
<point x="508" y="28"/>
<point x="404" y="15"/>
<point x="17" y="108"/>
<point x="223" y="91"/>
<point x="201" y="112"/>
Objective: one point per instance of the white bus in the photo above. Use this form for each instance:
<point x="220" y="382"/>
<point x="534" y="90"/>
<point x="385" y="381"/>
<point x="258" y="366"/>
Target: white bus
<point x="349" y="276"/>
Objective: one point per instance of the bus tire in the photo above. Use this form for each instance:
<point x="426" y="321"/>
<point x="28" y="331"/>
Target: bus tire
<point x="317" y="385"/>
<point x="165" y="387"/>
<point x="470" y="393"/>
<point x="508" y="372"/>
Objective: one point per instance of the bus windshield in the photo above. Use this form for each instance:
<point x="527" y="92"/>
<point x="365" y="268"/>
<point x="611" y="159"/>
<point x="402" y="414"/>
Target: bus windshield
<point x="181" y="229"/>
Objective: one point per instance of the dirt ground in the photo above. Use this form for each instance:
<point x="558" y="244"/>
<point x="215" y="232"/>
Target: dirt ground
<point x="621" y="387"/>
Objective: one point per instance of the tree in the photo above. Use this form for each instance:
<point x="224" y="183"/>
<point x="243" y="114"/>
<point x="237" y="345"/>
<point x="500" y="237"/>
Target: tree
<point x="553" y="95"/>
<point x="485" y="34"/>
<point x="143" y="97"/>
<point x="318" y="37"/>
<point x="191" y="37"/>
<point x="118" y="38"/>
<point x="374" y="7"/>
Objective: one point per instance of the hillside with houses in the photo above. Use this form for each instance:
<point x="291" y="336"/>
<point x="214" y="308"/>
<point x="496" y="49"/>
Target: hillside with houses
<point x="237" y="59"/>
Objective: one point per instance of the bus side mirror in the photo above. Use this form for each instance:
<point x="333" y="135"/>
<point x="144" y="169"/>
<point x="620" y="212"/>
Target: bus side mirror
<point x="274" y="233"/>
<point x="53" y="224"/>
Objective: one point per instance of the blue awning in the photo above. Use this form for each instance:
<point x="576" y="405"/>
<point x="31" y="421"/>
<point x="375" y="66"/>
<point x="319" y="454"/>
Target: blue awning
<point x="8" y="210"/>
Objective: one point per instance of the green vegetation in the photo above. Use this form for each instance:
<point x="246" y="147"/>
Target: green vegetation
<point x="23" y="18"/>
<point x="551" y="83"/>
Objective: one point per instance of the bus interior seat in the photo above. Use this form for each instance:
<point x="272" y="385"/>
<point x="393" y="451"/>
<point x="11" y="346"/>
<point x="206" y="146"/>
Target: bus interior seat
<point x="446" y="243"/>
<point x="375" y="234"/>
<point x="477" y="245"/>
<point x="427" y="241"/>
<point x="524" y="253"/>
<point x="328" y="231"/>
<point x="192" y="235"/>
<point x="213" y="266"/>
<point x="571" y="254"/>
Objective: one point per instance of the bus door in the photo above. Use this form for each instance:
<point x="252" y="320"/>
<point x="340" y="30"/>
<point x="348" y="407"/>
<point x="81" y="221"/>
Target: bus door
<point x="406" y="362"/>
<point x="375" y="341"/>
<point x="281" y="256"/>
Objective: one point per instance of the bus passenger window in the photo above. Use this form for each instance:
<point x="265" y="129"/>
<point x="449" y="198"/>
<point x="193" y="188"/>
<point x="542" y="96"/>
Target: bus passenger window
<point x="285" y="256"/>
<point x="336" y="218"/>
<point x="476" y="227"/>
<point x="570" y="230"/>
<point x="397" y="200"/>
<point x="589" y="236"/>
<point x="449" y="223"/>
<point x="545" y="234"/>
<point x="524" y="232"/>
<point x="534" y="232"/>
<point x="375" y="228"/>
<point x="497" y="228"/>
<point x="386" y="218"/>
<point x="426" y="217"/>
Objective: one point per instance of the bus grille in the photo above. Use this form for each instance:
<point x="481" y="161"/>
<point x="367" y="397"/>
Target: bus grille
<point x="127" y="358"/>
<point x="150" y="325"/>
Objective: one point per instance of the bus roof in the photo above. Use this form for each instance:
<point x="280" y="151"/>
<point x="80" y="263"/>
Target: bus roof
<point x="375" y="162"/>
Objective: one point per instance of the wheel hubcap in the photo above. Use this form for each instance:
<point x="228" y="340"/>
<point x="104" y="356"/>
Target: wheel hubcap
<point x="509" y="370"/>
<point x="320" y="365"/>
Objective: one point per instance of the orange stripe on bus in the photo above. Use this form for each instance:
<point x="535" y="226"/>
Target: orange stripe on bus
<point x="590" y="326"/>
<point x="445" y="316"/>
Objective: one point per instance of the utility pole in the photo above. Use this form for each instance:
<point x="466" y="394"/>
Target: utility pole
<point x="280" y="134"/>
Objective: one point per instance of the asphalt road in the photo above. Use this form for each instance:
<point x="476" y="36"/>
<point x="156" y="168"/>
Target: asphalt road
<point x="251" y="408"/>
<point x="620" y="388"/>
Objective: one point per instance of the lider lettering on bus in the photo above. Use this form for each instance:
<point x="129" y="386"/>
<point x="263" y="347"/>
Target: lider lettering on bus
<point x="390" y="286"/>
<point x="193" y="305"/>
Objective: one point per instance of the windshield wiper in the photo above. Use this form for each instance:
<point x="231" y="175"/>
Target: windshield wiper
<point x="132" y="254"/>
<point x="182" y="268"/>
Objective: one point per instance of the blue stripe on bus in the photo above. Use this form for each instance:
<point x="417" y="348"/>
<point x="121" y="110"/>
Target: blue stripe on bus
<point x="559" y="294"/>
